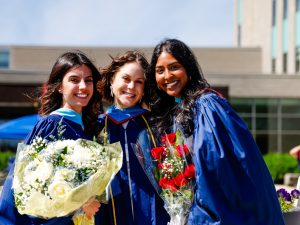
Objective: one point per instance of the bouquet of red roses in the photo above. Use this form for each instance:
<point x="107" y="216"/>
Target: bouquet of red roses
<point x="174" y="172"/>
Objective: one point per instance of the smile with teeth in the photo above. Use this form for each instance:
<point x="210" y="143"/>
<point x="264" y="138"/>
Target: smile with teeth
<point x="169" y="85"/>
<point x="81" y="95"/>
<point x="129" y="94"/>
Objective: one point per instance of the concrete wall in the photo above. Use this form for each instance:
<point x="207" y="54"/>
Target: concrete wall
<point x="212" y="60"/>
<point x="258" y="86"/>
<point x="256" y="29"/>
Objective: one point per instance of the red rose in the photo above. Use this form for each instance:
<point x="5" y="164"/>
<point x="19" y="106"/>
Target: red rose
<point x="180" y="180"/>
<point x="189" y="171"/>
<point x="168" y="138"/>
<point x="157" y="152"/>
<point x="160" y="165"/>
<point x="182" y="150"/>
<point x="166" y="183"/>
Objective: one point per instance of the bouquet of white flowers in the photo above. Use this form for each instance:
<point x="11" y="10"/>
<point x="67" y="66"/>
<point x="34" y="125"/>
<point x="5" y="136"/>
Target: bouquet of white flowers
<point x="54" y="179"/>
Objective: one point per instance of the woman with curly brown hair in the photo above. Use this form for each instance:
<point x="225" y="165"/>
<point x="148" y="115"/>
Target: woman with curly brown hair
<point x="134" y="201"/>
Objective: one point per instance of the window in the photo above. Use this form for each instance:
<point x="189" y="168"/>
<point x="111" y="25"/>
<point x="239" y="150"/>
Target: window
<point x="239" y="35"/>
<point x="298" y="5"/>
<point x="285" y="9"/>
<point x="285" y="62"/>
<point x="297" y="59"/>
<point x="274" y="123"/>
<point x="273" y="65"/>
<point x="274" y="13"/>
<point x="4" y="58"/>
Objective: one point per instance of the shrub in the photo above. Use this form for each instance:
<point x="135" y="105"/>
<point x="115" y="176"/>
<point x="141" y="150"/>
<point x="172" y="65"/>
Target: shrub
<point x="4" y="156"/>
<point x="280" y="164"/>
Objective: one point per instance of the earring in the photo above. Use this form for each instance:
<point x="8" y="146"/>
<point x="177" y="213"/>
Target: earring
<point x="158" y="87"/>
<point x="111" y="91"/>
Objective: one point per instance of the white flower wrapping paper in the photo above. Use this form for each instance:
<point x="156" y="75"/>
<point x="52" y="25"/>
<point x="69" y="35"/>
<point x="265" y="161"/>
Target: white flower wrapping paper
<point x="59" y="178"/>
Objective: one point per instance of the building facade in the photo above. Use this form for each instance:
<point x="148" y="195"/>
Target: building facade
<point x="269" y="103"/>
<point x="274" y="26"/>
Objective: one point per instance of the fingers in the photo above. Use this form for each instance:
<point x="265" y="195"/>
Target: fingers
<point x="91" y="207"/>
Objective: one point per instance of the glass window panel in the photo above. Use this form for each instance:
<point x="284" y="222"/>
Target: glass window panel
<point x="290" y="106"/>
<point x="297" y="57"/>
<point x="291" y="124"/>
<point x="242" y="105"/>
<point x="285" y="61"/>
<point x="273" y="12"/>
<point x="266" y="105"/>
<point x="266" y="123"/>
<point x="285" y="9"/>
<point x="4" y="59"/>
<point x="267" y="142"/>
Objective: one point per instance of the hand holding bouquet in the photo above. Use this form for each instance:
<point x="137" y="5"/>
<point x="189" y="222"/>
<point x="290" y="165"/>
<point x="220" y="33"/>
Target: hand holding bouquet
<point x="62" y="175"/>
<point x="174" y="172"/>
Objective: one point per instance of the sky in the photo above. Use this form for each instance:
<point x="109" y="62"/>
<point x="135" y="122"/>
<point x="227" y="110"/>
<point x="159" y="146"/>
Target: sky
<point x="116" y="23"/>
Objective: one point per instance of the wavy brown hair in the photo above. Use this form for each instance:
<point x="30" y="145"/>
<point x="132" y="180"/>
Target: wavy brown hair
<point x="109" y="71"/>
<point x="51" y="99"/>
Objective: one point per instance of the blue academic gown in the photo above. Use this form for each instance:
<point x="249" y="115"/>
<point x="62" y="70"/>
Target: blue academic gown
<point x="147" y="205"/>
<point x="233" y="184"/>
<point x="44" y="128"/>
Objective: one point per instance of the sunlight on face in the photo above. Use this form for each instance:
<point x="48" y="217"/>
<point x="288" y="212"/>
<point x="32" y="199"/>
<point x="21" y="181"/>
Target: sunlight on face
<point x="128" y="85"/>
<point x="77" y="88"/>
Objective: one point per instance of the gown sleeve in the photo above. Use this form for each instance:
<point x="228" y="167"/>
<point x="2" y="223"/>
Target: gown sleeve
<point x="8" y="211"/>
<point x="233" y="184"/>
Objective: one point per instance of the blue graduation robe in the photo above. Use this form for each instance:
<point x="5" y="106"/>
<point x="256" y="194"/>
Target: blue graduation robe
<point x="233" y="184"/>
<point x="147" y="205"/>
<point x="44" y="128"/>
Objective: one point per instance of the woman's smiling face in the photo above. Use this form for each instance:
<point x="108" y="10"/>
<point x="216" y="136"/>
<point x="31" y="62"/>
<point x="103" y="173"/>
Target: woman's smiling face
<point x="170" y="75"/>
<point x="77" y="88"/>
<point x="128" y="85"/>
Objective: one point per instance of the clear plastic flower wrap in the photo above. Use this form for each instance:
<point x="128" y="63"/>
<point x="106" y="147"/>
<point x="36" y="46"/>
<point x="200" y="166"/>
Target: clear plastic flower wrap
<point x="62" y="175"/>
<point x="170" y="169"/>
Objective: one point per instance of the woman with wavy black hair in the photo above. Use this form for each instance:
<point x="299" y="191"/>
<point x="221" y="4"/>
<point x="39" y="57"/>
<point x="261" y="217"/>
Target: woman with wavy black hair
<point x="233" y="184"/>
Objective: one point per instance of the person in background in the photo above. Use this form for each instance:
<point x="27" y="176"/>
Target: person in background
<point x="233" y="184"/>
<point x="70" y="100"/>
<point x="134" y="201"/>
<point x="295" y="152"/>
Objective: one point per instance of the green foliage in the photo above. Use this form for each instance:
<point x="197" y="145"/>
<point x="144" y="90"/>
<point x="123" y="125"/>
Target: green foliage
<point x="4" y="156"/>
<point x="280" y="164"/>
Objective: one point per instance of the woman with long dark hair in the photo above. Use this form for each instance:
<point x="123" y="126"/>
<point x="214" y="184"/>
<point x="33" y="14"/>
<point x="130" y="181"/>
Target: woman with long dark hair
<point x="70" y="108"/>
<point x="233" y="184"/>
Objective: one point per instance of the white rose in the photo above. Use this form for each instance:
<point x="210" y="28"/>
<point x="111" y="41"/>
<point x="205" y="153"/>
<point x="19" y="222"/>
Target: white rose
<point x="44" y="171"/>
<point x="58" y="189"/>
<point x="65" y="174"/>
<point x="30" y="174"/>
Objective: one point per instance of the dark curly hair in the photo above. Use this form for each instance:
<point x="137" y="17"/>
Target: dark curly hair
<point x="163" y="107"/>
<point x="51" y="99"/>
<point x="109" y="71"/>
